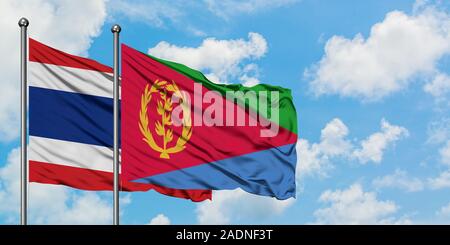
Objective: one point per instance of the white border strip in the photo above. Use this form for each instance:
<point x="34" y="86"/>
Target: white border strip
<point x="70" y="154"/>
<point x="70" y="79"/>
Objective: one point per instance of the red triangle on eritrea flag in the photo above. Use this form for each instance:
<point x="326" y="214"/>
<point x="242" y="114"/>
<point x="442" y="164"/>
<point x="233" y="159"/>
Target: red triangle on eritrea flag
<point x="152" y="143"/>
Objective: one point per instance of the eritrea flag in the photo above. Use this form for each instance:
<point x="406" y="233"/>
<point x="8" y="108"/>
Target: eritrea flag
<point x="180" y="130"/>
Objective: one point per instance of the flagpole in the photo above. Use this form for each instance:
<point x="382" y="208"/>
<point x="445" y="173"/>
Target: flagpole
<point x="116" y="30"/>
<point x="23" y="23"/>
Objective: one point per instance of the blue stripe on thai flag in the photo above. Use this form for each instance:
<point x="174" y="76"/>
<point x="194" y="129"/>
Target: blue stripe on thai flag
<point x="71" y="116"/>
<point x="71" y="104"/>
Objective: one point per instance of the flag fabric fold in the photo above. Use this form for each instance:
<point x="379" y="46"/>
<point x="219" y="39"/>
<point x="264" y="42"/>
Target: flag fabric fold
<point x="71" y="124"/>
<point x="207" y="148"/>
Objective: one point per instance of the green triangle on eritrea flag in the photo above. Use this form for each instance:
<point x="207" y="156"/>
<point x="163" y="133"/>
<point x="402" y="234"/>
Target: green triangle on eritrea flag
<point x="287" y="112"/>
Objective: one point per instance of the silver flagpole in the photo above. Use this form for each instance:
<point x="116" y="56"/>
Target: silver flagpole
<point x="116" y="30"/>
<point x="23" y="23"/>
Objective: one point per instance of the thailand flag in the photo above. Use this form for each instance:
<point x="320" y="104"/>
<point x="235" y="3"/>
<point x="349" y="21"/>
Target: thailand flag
<point x="71" y="124"/>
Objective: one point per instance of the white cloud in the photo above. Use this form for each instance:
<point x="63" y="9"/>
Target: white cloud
<point x="229" y="8"/>
<point x="314" y="159"/>
<point x="67" y="25"/>
<point x="445" y="153"/>
<point x="160" y="219"/>
<point x="50" y="204"/>
<point x="397" y="49"/>
<point x="439" y="131"/>
<point x="441" y="181"/>
<point x="10" y="183"/>
<point x="354" y="206"/>
<point x="332" y="138"/>
<point x="444" y="211"/>
<point x="219" y="68"/>
<point x="250" y="75"/>
<point x="233" y="206"/>
<point x="373" y="147"/>
<point x="79" y="209"/>
<point x="310" y="160"/>
<point x="177" y="13"/>
<point x="439" y="86"/>
<point x="399" y="179"/>
<point x="153" y="13"/>
<point x="249" y="81"/>
<point x="439" y="134"/>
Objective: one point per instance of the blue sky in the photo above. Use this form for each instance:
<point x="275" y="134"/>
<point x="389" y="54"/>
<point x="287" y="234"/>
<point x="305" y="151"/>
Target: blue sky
<point x="370" y="81"/>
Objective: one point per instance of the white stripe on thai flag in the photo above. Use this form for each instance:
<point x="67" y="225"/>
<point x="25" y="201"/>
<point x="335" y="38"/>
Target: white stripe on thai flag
<point x="71" y="154"/>
<point x="70" y="118"/>
<point x="76" y="80"/>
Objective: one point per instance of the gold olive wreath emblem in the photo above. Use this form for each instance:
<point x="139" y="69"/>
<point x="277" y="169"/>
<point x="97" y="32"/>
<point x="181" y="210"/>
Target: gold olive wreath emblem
<point x="164" y="108"/>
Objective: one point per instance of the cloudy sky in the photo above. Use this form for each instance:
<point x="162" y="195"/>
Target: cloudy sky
<point x="370" y="81"/>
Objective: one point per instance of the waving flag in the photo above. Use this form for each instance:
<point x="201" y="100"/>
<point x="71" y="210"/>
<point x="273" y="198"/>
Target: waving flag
<point x="71" y="124"/>
<point x="182" y="131"/>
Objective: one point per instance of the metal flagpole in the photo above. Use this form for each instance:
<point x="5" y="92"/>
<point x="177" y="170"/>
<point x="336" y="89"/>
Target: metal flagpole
<point x="116" y="30"/>
<point x="23" y="23"/>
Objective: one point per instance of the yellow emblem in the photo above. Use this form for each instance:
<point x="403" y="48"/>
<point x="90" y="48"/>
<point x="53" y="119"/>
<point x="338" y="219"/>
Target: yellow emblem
<point x="164" y="108"/>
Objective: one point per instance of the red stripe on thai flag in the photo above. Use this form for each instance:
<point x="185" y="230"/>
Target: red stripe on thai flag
<point x="95" y="180"/>
<point x="42" y="53"/>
